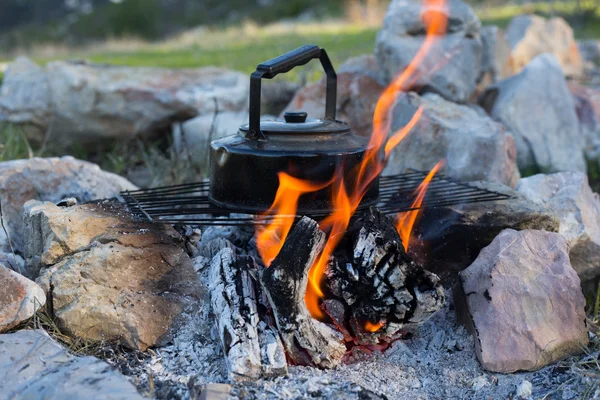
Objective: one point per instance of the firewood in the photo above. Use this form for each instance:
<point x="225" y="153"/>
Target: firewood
<point x="306" y="340"/>
<point x="251" y="349"/>
<point x="384" y="290"/>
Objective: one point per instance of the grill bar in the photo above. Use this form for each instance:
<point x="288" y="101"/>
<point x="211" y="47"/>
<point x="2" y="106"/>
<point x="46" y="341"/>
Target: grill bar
<point x="189" y="204"/>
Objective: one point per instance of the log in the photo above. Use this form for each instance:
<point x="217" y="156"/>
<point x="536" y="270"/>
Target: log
<point x="306" y="340"/>
<point x="385" y="292"/>
<point x="250" y="348"/>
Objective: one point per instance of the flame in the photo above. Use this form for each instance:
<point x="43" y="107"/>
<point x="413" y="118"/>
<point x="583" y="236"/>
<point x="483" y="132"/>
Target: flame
<point x="271" y="237"/>
<point x="373" y="327"/>
<point x="406" y="220"/>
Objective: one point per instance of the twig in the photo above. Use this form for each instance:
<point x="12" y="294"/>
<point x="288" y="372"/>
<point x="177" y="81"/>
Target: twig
<point x="12" y="250"/>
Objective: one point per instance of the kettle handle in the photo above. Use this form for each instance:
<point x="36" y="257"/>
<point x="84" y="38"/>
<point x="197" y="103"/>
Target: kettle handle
<point x="284" y="63"/>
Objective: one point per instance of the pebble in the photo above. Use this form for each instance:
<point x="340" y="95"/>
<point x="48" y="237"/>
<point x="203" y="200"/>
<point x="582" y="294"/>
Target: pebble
<point x="524" y="390"/>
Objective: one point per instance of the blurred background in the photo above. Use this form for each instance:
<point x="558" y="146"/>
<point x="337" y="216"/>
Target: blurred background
<point x="235" y="34"/>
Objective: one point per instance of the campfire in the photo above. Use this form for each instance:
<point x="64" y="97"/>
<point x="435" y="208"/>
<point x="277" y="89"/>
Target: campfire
<point x="339" y="281"/>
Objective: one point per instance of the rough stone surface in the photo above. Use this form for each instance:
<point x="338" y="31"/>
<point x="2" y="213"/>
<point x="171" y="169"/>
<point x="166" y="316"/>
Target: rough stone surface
<point x="523" y="302"/>
<point x="496" y="63"/>
<point x="357" y="95"/>
<point x="34" y="366"/>
<point x="20" y="298"/>
<point x="453" y="63"/>
<point x="458" y="233"/>
<point x="193" y="136"/>
<point x="80" y="101"/>
<point x="570" y="197"/>
<point x="114" y="279"/>
<point x="538" y="109"/>
<point x="589" y="50"/>
<point x="587" y="107"/>
<point x="50" y="179"/>
<point x="532" y="35"/>
<point x="475" y="146"/>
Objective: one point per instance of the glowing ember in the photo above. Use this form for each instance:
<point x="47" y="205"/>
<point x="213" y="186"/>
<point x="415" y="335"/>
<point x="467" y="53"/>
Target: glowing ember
<point x="406" y="220"/>
<point x="271" y="239"/>
<point x="373" y="327"/>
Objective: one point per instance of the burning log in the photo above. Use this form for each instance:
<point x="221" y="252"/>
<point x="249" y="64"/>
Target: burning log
<point x="306" y="340"/>
<point x="251" y="348"/>
<point x="384" y="291"/>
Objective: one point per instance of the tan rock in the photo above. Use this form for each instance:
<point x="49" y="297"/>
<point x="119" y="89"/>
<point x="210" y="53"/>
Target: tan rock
<point x="496" y="63"/>
<point x="357" y="95"/>
<point x="569" y="196"/>
<point x="532" y="35"/>
<point x="129" y="284"/>
<point x="20" y="298"/>
<point x="523" y="302"/>
<point x="50" y="179"/>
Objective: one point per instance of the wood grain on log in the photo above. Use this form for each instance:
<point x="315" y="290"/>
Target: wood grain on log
<point x="306" y="340"/>
<point x="251" y="349"/>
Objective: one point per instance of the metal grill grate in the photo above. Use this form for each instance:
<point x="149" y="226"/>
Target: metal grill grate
<point x="189" y="204"/>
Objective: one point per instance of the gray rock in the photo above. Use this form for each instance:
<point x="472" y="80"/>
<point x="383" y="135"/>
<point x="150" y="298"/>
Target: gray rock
<point x="537" y="107"/>
<point x="524" y="390"/>
<point x="34" y="366"/>
<point x="20" y="298"/>
<point x="455" y="58"/>
<point x="192" y="138"/>
<point x="50" y="179"/>
<point x="570" y="197"/>
<point x="80" y="102"/>
<point x="496" y="62"/>
<point x="108" y="277"/>
<point x="587" y="107"/>
<point x="522" y="301"/>
<point x="532" y="35"/>
<point x="589" y="50"/>
<point x="475" y="146"/>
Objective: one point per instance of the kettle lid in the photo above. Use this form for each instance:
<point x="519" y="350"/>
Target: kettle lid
<point x="297" y="123"/>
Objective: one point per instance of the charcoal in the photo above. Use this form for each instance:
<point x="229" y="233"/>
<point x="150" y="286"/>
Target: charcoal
<point x="306" y="340"/>
<point x="379" y="283"/>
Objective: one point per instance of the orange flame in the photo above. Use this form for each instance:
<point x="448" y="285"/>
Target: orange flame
<point x="271" y="237"/>
<point x="406" y="220"/>
<point x="373" y="327"/>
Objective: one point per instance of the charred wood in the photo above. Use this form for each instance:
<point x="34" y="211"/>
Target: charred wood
<point x="251" y="349"/>
<point x="384" y="291"/>
<point x="306" y="340"/>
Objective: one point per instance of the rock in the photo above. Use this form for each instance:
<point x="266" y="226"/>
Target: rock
<point x="25" y="95"/>
<point x="79" y="102"/>
<point x="20" y="298"/>
<point x="538" y="109"/>
<point x="524" y="390"/>
<point x="589" y="50"/>
<point x="216" y="391"/>
<point x="570" y="197"/>
<point x="365" y="64"/>
<point x="458" y="233"/>
<point x="587" y="107"/>
<point x="522" y="301"/>
<point x="496" y="62"/>
<point x="193" y="137"/>
<point x="357" y="95"/>
<point x="453" y="64"/>
<point x="532" y="35"/>
<point x="50" y="179"/>
<point x="108" y="277"/>
<point x="475" y="146"/>
<point x="34" y="366"/>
